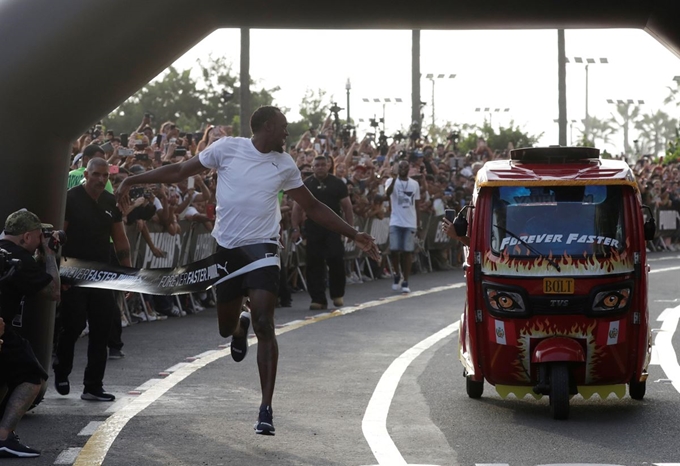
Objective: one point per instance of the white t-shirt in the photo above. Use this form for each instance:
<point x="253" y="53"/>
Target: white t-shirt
<point x="248" y="184"/>
<point x="403" y="200"/>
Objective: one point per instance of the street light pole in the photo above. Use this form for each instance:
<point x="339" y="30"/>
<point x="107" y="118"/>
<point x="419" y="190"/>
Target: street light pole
<point x="383" y="102"/>
<point x="491" y="111"/>
<point x="348" y="87"/>
<point x="588" y="62"/>
<point x="432" y="77"/>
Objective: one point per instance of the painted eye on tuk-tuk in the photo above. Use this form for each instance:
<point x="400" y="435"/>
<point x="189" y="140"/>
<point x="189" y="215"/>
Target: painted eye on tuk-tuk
<point x="611" y="300"/>
<point x="505" y="300"/>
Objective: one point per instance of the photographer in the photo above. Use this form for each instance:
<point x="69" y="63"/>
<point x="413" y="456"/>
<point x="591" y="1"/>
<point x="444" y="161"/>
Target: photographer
<point x="19" y="368"/>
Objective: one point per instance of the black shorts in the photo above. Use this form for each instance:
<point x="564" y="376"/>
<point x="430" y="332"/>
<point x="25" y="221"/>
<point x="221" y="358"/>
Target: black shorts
<point x="264" y="278"/>
<point x="18" y="363"/>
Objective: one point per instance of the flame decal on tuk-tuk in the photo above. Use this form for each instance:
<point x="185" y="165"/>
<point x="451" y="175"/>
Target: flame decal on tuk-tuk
<point x="582" y="331"/>
<point x="587" y="265"/>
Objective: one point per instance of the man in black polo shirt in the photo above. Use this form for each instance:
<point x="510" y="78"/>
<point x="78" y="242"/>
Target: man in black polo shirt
<point x="92" y="217"/>
<point x="324" y="247"/>
<point x="20" y="371"/>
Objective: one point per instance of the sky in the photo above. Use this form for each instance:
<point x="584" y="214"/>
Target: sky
<point x="497" y="69"/>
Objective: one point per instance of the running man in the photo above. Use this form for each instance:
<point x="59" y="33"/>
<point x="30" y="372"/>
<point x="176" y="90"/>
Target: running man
<point x="251" y="172"/>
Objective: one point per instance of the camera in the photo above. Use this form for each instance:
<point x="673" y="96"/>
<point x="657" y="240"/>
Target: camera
<point x="54" y="243"/>
<point x="125" y="152"/>
<point x="414" y="131"/>
<point x="7" y="264"/>
<point x="136" y="193"/>
<point x="143" y="156"/>
<point x="453" y="136"/>
<point x="179" y="152"/>
<point x="335" y="108"/>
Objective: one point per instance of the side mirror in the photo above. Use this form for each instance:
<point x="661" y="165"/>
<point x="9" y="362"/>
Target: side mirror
<point x="460" y="224"/>
<point x="650" y="225"/>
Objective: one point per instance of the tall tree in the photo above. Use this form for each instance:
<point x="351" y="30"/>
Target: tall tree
<point x="626" y="113"/>
<point x="314" y="109"/>
<point x="655" y="130"/>
<point x="598" y="130"/>
<point x="190" y="101"/>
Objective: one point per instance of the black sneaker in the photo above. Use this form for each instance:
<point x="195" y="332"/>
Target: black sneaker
<point x="239" y="346"/>
<point x="62" y="385"/>
<point x="116" y="353"/>
<point x="12" y="448"/>
<point x="97" y="395"/>
<point x="265" y="424"/>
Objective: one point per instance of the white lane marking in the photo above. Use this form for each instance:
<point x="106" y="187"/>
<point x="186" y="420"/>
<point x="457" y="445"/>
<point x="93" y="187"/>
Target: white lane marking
<point x="667" y="269"/>
<point x="205" y="353"/>
<point x="657" y="259"/>
<point x="118" y="404"/>
<point x="176" y="367"/>
<point x="147" y="385"/>
<point x="374" y="424"/>
<point x="664" y="345"/>
<point x="67" y="456"/>
<point x="97" y="447"/>
<point x="90" y="428"/>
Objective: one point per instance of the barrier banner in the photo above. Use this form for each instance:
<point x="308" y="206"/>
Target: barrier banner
<point x="352" y="251"/>
<point x="435" y="238"/>
<point x="195" y="277"/>
<point x="668" y="220"/>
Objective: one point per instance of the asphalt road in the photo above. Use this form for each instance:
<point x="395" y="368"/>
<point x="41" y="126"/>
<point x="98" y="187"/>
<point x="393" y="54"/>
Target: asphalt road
<point x="377" y="383"/>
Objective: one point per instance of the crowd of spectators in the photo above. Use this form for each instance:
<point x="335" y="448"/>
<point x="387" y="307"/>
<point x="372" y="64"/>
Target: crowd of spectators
<point x="660" y="190"/>
<point x="445" y="174"/>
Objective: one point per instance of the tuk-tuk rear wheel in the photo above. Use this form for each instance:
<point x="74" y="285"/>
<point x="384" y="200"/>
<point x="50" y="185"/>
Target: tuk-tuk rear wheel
<point x="474" y="389"/>
<point x="559" y="391"/>
<point x="636" y="389"/>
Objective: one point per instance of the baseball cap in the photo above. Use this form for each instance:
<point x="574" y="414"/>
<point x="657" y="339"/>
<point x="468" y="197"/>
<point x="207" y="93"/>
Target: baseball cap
<point x="136" y="169"/>
<point x="22" y="221"/>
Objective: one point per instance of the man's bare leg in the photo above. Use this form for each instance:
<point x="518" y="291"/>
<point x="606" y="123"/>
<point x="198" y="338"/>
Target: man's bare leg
<point x="17" y="405"/>
<point x="227" y="317"/>
<point x="406" y="261"/>
<point x="262" y="305"/>
<point x="395" y="263"/>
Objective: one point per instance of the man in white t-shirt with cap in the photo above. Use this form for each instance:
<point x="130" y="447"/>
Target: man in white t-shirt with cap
<point x="250" y="174"/>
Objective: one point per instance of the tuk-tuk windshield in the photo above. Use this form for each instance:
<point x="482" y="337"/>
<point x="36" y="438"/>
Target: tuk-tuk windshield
<point x="557" y="220"/>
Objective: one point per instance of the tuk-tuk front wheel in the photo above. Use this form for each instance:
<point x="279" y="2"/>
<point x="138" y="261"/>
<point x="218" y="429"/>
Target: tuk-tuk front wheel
<point x="637" y="389"/>
<point x="473" y="388"/>
<point x="559" y="391"/>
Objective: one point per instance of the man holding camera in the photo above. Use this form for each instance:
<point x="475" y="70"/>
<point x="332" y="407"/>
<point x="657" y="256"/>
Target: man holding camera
<point x="247" y="232"/>
<point x="27" y="276"/>
<point x="92" y="218"/>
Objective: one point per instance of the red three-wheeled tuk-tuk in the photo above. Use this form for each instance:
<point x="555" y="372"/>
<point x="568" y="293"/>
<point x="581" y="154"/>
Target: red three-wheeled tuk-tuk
<point x="556" y="278"/>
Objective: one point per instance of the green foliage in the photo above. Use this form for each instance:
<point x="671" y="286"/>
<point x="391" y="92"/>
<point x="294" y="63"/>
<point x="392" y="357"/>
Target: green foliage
<point x="190" y="101"/>
<point x="314" y="109"/>
<point x="496" y="139"/>
<point x="673" y="151"/>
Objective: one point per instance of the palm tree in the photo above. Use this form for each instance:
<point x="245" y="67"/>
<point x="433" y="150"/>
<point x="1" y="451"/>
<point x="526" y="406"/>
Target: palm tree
<point x="597" y="130"/>
<point x="673" y="94"/>
<point x="655" y="129"/>
<point x="626" y="114"/>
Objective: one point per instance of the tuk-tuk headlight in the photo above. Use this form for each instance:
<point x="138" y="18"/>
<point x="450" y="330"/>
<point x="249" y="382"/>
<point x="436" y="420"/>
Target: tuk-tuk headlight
<point x="504" y="301"/>
<point x="612" y="300"/>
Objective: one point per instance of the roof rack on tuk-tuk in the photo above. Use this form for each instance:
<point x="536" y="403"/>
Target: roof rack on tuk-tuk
<point x="555" y="154"/>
